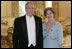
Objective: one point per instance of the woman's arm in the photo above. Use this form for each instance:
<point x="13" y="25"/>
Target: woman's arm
<point x="60" y="35"/>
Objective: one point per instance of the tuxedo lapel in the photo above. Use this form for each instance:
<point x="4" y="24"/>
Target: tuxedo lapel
<point x="36" y="24"/>
<point x="24" y="26"/>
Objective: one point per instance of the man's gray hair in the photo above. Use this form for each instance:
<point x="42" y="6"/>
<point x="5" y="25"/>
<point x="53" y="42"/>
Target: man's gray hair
<point x="28" y="3"/>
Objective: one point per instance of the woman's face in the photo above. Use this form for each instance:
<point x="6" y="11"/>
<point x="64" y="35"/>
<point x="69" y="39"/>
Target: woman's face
<point x="49" y="15"/>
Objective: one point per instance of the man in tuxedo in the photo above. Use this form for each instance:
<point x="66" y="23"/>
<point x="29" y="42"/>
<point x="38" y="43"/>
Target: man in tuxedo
<point x="28" y="30"/>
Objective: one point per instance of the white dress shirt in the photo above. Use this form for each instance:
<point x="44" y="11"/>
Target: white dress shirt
<point x="31" y="30"/>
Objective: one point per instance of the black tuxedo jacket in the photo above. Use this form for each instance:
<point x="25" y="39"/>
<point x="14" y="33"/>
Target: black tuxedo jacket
<point x="20" y="35"/>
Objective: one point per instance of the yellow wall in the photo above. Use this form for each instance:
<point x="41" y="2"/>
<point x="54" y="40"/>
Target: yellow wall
<point x="65" y="11"/>
<point x="6" y="10"/>
<point x="9" y="9"/>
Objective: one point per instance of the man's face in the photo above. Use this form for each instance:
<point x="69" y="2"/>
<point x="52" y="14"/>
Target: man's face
<point x="30" y="9"/>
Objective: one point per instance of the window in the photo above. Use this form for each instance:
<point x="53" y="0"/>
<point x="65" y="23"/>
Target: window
<point x="48" y="3"/>
<point x="22" y="8"/>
